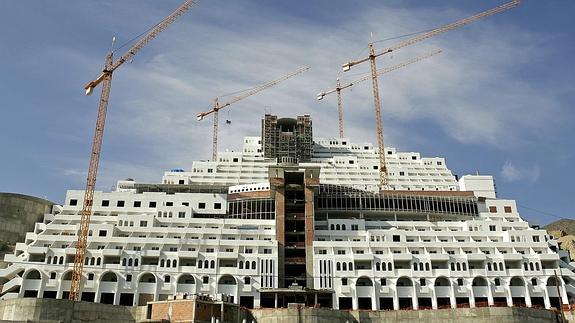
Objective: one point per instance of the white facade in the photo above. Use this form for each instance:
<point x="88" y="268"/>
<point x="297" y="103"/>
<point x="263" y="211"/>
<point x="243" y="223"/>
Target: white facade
<point x="152" y="245"/>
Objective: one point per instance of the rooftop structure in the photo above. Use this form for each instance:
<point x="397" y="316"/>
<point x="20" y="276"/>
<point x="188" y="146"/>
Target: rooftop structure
<point x="266" y="230"/>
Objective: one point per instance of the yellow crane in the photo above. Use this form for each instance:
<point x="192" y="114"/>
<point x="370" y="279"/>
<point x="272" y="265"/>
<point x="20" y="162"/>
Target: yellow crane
<point x="381" y="71"/>
<point x="373" y="55"/>
<point x="106" y="79"/>
<point x="217" y="106"/>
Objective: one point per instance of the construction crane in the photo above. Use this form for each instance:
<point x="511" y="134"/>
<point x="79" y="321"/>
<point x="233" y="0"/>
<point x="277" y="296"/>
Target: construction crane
<point x="381" y="71"/>
<point x="106" y="79"/>
<point x="373" y="55"/>
<point x="217" y="107"/>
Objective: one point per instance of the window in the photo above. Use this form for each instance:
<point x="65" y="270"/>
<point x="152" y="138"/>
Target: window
<point x="401" y="173"/>
<point x="493" y="209"/>
<point x="247" y="280"/>
<point x="210" y="170"/>
<point x="167" y="279"/>
<point x="422" y="281"/>
<point x="249" y="250"/>
<point x="201" y="205"/>
<point x="205" y="279"/>
<point x="128" y="277"/>
<point x="267" y="251"/>
<point x="535" y="238"/>
<point x="102" y="233"/>
<point x="120" y="204"/>
<point x="218" y="206"/>
<point x="534" y="281"/>
<point x="322" y="252"/>
<point x="507" y="209"/>
<point x="497" y="282"/>
<point x="53" y="276"/>
<point x="459" y="281"/>
<point x="105" y="202"/>
<point x="137" y="203"/>
<point x="341" y="252"/>
<point x="210" y="250"/>
<point x="235" y="160"/>
<point x="396" y="238"/>
<point x="344" y="281"/>
<point x="383" y="281"/>
<point x="354" y="227"/>
<point x="169" y="203"/>
<point x="74" y="202"/>
<point x="143" y="223"/>
<point x="152" y="204"/>
<point x="492" y="228"/>
<point x="181" y="181"/>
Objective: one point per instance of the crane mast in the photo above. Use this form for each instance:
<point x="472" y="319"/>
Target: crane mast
<point x="217" y="107"/>
<point x="381" y="71"/>
<point x="373" y="55"/>
<point x="339" y="108"/>
<point x="106" y="79"/>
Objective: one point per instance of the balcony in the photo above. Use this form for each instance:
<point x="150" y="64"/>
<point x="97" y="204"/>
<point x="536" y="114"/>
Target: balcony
<point x="150" y="253"/>
<point x="439" y="257"/>
<point x="402" y="256"/>
<point x="476" y="256"/>
<point x="228" y="255"/>
<point x="112" y="252"/>
<point x="188" y="254"/>
<point x="37" y="250"/>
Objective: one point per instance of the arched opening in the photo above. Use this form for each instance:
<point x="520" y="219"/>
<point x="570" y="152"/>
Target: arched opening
<point x="147" y="278"/>
<point x="186" y="279"/>
<point x="338" y="266"/>
<point x="241" y="265"/>
<point x="227" y="280"/>
<point x="551" y="281"/>
<point x="383" y="266"/>
<point x="253" y="265"/>
<point x="364" y="281"/>
<point x="404" y="282"/>
<point x="480" y="291"/>
<point x="109" y="277"/>
<point x="479" y="281"/>
<point x="516" y="281"/>
<point x="33" y="274"/>
<point x="343" y="227"/>
<point x="67" y="275"/>
<point x="427" y="266"/>
<point x="213" y="264"/>
<point x="442" y="281"/>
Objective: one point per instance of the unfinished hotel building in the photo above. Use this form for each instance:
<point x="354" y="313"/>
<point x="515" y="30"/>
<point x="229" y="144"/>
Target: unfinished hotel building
<point x="289" y="219"/>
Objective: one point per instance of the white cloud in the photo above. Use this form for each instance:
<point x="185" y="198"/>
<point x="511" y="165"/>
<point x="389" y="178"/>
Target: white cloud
<point x="512" y="173"/>
<point x="471" y="90"/>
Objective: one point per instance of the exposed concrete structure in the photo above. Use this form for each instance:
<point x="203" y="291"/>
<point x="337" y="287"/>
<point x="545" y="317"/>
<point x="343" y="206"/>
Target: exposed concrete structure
<point x="19" y="213"/>
<point x="63" y="310"/>
<point x="51" y="310"/>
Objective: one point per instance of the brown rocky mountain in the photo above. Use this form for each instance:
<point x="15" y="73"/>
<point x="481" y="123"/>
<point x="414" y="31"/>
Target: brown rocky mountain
<point x="564" y="231"/>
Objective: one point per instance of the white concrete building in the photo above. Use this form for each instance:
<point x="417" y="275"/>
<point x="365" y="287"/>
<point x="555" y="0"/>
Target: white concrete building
<point x="316" y="232"/>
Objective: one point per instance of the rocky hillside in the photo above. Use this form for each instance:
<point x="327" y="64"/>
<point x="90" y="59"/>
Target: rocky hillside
<point x="565" y="225"/>
<point x="564" y="231"/>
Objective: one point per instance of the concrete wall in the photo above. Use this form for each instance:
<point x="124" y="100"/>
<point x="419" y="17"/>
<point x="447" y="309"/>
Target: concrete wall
<point x="65" y="311"/>
<point x="18" y="213"/>
<point x="479" y="315"/>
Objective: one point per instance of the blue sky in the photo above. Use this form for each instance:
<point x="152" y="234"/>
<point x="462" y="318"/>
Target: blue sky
<point x="498" y="100"/>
